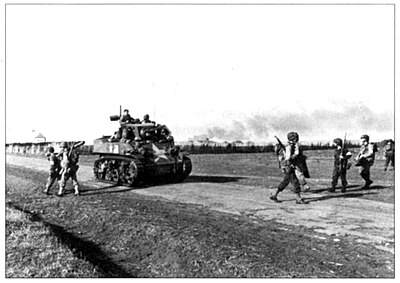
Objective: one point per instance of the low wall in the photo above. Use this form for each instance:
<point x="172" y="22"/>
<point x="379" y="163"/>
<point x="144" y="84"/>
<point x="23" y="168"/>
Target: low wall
<point x="40" y="148"/>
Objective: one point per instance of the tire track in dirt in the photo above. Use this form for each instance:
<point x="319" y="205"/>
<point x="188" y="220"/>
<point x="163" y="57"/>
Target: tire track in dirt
<point x="341" y="214"/>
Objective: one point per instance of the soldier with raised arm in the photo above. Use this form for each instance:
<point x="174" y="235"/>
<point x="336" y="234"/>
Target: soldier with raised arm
<point x="69" y="166"/>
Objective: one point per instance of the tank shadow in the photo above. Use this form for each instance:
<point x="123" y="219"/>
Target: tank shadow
<point x="211" y="179"/>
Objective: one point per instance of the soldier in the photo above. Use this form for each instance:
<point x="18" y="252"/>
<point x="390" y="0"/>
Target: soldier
<point x="53" y="170"/>
<point x="301" y="169"/>
<point x="126" y="118"/>
<point x="146" y="119"/>
<point x="365" y="159"/>
<point x="389" y="154"/>
<point x="69" y="167"/>
<point x="288" y="162"/>
<point x="341" y="157"/>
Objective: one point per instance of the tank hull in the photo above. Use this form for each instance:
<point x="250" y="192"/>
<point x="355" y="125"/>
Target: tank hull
<point x="132" y="164"/>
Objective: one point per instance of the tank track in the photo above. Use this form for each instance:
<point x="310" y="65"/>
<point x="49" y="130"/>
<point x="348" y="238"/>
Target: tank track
<point x="118" y="170"/>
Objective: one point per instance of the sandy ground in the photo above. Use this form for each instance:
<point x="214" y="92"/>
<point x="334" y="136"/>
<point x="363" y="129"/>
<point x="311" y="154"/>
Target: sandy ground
<point x="370" y="221"/>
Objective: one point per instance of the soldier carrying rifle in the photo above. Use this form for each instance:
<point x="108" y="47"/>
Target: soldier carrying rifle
<point x="340" y="165"/>
<point x="365" y="159"/>
<point x="288" y="168"/>
<point x="69" y="167"/>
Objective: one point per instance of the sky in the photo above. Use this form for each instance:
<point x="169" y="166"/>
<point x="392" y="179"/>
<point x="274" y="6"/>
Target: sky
<point x="225" y="72"/>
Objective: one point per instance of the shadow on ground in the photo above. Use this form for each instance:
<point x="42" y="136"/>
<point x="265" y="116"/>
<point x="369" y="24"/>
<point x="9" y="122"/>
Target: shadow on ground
<point x="211" y="179"/>
<point x="81" y="248"/>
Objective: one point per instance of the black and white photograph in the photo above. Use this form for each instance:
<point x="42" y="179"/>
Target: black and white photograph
<point x="199" y="139"/>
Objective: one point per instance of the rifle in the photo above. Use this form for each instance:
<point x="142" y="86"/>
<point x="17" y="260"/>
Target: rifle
<point x="283" y="148"/>
<point x="341" y="153"/>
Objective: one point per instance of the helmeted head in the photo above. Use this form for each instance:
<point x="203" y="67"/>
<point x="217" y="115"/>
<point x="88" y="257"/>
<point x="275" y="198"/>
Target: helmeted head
<point x="293" y="137"/>
<point x="126" y="112"/>
<point x="63" y="145"/>
<point x="338" y="142"/>
<point x="364" y="138"/>
<point x="146" y="117"/>
<point x="50" y="149"/>
<point x="389" y="141"/>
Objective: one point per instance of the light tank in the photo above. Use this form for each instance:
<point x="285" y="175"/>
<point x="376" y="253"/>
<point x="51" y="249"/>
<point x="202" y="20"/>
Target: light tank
<point x="139" y="153"/>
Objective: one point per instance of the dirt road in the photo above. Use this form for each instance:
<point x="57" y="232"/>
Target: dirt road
<point x="339" y="214"/>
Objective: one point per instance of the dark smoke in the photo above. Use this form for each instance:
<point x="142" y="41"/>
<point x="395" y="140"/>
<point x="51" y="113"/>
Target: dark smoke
<point x="318" y="124"/>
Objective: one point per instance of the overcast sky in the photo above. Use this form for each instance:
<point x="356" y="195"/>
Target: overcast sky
<point x="225" y="72"/>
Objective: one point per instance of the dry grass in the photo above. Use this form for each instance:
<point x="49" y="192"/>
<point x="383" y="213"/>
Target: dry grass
<point x="32" y="251"/>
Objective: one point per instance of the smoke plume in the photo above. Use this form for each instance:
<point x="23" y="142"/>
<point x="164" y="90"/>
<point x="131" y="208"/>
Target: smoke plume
<point x="318" y="124"/>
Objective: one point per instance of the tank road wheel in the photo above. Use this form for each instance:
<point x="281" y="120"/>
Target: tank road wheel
<point x="98" y="168"/>
<point x="186" y="169"/>
<point x="112" y="175"/>
<point x="133" y="173"/>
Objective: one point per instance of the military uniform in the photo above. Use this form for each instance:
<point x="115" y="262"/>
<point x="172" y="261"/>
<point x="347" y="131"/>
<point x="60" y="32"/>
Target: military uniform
<point x="365" y="159"/>
<point x="69" y="168"/>
<point x="341" y="158"/>
<point x="389" y="154"/>
<point x="288" y="164"/>
<point x="53" y="170"/>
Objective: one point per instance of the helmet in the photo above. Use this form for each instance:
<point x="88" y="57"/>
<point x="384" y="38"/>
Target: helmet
<point x="338" y="142"/>
<point x="146" y="116"/>
<point x="365" y="137"/>
<point x="50" y="149"/>
<point x="63" y="145"/>
<point x="293" y="136"/>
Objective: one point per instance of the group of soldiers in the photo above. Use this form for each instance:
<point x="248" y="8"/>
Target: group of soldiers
<point x="149" y="131"/>
<point x="63" y="166"/>
<point x="295" y="170"/>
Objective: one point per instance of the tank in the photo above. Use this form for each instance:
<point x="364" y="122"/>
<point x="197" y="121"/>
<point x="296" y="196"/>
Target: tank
<point x="139" y="153"/>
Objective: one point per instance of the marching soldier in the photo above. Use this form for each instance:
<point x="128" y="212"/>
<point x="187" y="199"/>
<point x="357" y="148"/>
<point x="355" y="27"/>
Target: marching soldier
<point x="53" y="170"/>
<point x="389" y="154"/>
<point x="69" y="167"/>
<point x="300" y="170"/>
<point x="365" y="159"/>
<point x="288" y="168"/>
<point x="341" y="157"/>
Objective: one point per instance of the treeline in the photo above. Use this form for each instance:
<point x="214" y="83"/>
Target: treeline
<point x="218" y="149"/>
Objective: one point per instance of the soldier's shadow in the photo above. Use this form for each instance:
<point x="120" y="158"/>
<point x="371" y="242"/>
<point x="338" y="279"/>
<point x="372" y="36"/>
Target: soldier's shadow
<point x="337" y="195"/>
<point x="349" y="194"/>
<point x="111" y="189"/>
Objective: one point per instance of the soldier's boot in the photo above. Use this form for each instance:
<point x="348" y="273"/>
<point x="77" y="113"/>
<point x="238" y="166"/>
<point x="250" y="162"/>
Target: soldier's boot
<point x="46" y="191"/>
<point x="77" y="193"/>
<point x="306" y="188"/>
<point x="299" y="199"/>
<point x="60" y="192"/>
<point x="332" y="189"/>
<point x="367" y="184"/>
<point x="274" y="196"/>
<point x="344" y="188"/>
